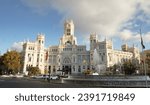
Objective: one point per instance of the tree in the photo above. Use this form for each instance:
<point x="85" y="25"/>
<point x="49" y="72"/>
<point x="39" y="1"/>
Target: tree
<point x="2" y="66"/>
<point x="33" y="71"/>
<point x="114" y="68"/>
<point x="12" y="62"/>
<point x="129" y="68"/>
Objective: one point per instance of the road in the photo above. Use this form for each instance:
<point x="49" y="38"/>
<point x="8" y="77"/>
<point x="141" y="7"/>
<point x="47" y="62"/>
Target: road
<point x="34" y="83"/>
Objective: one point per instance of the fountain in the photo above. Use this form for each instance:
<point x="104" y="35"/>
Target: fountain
<point x="118" y="81"/>
<point x="100" y="68"/>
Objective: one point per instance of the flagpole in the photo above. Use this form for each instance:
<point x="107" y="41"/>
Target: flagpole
<point x="143" y="58"/>
<point x="144" y="67"/>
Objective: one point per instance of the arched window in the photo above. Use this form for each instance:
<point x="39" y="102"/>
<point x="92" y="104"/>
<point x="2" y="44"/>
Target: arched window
<point x="66" y="60"/>
<point x="68" y="43"/>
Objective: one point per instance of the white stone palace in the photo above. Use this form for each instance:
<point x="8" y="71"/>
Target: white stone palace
<point x="70" y="58"/>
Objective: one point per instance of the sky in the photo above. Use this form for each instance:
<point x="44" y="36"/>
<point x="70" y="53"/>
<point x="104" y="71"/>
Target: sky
<point x="119" y="20"/>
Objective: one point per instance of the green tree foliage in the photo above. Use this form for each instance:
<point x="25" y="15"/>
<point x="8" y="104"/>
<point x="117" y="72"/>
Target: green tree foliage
<point x="12" y="62"/>
<point x="33" y="71"/>
<point x="129" y="68"/>
<point x="114" y="68"/>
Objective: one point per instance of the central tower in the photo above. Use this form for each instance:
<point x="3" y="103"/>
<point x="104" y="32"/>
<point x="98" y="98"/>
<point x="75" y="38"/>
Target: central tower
<point x="68" y="37"/>
<point x="69" y="28"/>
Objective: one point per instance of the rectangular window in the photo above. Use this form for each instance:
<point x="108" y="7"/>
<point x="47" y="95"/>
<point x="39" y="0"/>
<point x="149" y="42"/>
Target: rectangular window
<point x="102" y="58"/>
<point x="73" y="68"/>
<point x="50" y="59"/>
<point x="29" y="59"/>
<point x="54" y="70"/>
<point x="54" y="59"/>
<point x="68" y="30"/>
<point x="79" y="69"/>
<point x="37" y="59"/>
<point x="83" y="67"/>
<point x="49" y="68"/>
<point x="68" y="33"/>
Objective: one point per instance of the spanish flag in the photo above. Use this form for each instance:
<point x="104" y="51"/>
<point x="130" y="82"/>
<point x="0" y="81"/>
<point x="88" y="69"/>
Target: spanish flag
<point x="143" y="46"/>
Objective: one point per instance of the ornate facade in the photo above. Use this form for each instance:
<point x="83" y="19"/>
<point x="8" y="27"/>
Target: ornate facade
<point x="68" y="57"/>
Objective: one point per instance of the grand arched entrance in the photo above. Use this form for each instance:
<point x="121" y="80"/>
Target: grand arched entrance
<point x="66" y="67"/>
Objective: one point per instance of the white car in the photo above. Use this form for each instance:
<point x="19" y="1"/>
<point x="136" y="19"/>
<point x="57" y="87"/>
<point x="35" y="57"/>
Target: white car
<point x="95" y="73"/>
<point x="19" y="76"/>
<point x="39" y="77"/>
<point x="5" y="76"/>
<point x="54" y="77"/>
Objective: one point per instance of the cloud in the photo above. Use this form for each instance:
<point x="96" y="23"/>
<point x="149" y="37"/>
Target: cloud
<point x="18" y="46"/>
<point x="128" y="35"/>
<point x="101" y="16"/>
<point x="105" y="17"/>
<point x="147" y="37"/>
<point x="144" y="6"/>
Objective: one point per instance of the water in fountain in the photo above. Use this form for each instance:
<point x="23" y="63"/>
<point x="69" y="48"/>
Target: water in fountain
<point x="96" y="58"/>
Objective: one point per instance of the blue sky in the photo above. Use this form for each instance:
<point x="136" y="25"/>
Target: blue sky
<point x="19" y="23"/>
<point x="117" y="19"/>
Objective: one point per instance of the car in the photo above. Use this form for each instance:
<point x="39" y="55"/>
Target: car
<point x="39" y="77"/>
<point x="54" y="77"/>
<point x="18" y="76"/>
<point x="45" y="76"/>
<point x="5" y="76"/>
<point x="95" y="73"/>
